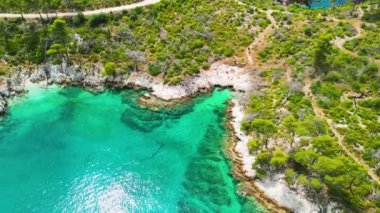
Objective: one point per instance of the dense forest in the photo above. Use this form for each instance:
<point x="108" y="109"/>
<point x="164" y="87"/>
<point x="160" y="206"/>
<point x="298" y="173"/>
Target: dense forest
<point x="319" y="105"/>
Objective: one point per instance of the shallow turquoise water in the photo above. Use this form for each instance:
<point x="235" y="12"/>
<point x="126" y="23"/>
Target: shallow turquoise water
<point x="67" y="150"/>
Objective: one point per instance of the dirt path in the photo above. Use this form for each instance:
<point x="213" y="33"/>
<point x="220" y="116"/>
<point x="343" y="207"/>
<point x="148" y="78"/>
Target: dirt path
<point x="357" y="24"/>
<point x="339" y="42"/>
<point x="319" y="112"/>
<point x="260" y="42"/>
<point x="85" y="13"/>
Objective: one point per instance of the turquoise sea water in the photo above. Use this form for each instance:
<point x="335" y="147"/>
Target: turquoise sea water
<point x="67" y="150"/>
<point x="318" y="4"/>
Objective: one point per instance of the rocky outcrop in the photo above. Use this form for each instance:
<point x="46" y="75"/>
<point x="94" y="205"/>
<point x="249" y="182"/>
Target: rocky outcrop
<point x="90" y="78"/>
<point x="65" y="74"/>
<point x="10" y="87"/>
<point x="219" y="74"/>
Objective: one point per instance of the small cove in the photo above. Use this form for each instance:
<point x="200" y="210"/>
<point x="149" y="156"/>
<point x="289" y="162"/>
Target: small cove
<point x="68" y="150"/>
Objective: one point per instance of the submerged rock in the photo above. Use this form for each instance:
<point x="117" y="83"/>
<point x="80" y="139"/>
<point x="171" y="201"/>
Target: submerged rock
<point x="196" y="188"/>
<point x="3" y="105"/>
<point x="143" y="121"/>
<point x="188" y="205"/>
<point x="219" y="195"/>
<point x="147" y="119"/>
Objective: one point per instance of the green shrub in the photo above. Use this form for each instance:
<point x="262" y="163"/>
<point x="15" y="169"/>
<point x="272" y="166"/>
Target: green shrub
<point x="154" y="69"/>
<point x="79" y="19"/>
<point x="373" y="103"/>
<point x="193" y="69"/>
<point x="98" y="19"/>
<point x="334" y="76"/>
<point x="279" y="158"/>
<point x="109" y="69"/>
<point x="3" y="72"/>
<point x="289" y="176"/>
<point x="315" y="184"/>
<point x="253" y="145"/>
<point x="228" y="52"/>
<point x="175" y="80"/>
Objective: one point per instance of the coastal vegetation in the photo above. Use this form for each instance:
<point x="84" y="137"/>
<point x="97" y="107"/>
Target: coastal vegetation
<point x="320" y="106"/>
<point x="138" y="40"/>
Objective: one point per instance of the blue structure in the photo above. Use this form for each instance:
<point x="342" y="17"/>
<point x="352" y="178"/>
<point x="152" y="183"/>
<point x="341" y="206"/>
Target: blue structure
<point x="318" y="4"/>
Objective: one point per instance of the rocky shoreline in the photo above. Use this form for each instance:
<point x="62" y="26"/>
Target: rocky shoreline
<point x="249" y="187"/>
<point x="240" y="80"/>
<point x="89" y="78"/>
